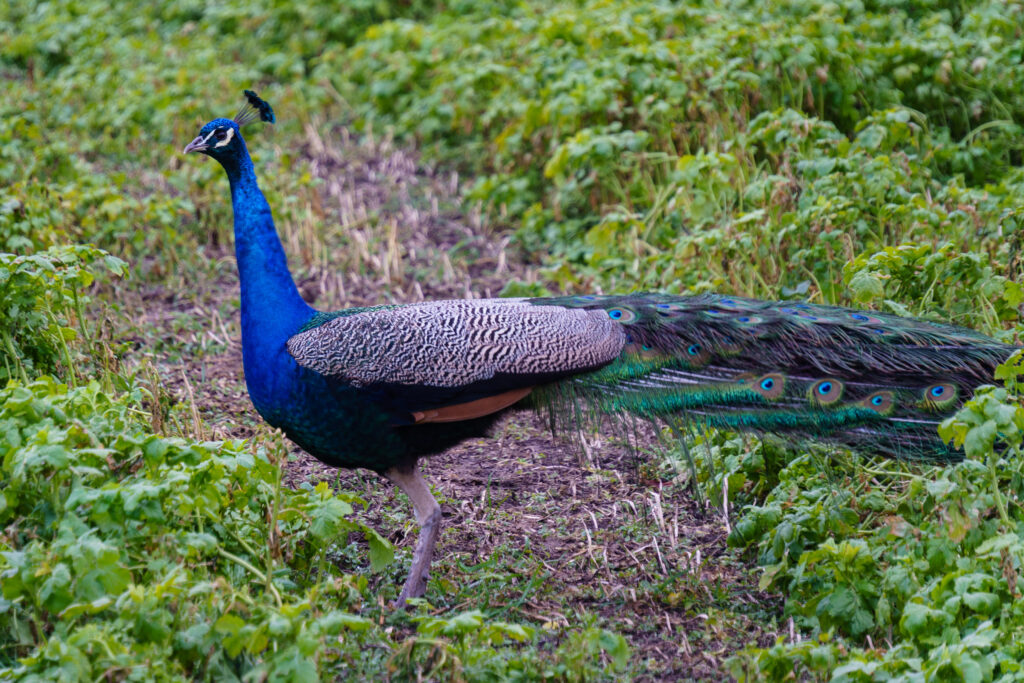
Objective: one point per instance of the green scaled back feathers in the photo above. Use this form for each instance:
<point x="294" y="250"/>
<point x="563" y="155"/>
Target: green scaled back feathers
<point x="874" y="382"/>
<point x="320" y="317"/>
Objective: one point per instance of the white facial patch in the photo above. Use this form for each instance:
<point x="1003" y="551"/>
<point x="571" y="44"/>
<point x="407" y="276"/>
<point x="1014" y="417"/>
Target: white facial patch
<point x="208" y="136"/>
<point x="231" y="134"/>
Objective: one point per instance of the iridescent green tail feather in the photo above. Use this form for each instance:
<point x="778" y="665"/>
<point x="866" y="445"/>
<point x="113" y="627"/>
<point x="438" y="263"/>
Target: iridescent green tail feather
<point x="874" y="382"/>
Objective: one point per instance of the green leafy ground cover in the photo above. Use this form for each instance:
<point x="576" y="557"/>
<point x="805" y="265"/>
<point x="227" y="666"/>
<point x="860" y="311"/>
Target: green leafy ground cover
<point x="857" y="152"/>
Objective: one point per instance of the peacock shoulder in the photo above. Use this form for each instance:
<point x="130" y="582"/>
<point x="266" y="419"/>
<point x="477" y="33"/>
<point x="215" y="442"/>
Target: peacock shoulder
<point x="458" y="342"/>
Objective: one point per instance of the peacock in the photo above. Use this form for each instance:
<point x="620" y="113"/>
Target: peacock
<point x="381" y="387"/>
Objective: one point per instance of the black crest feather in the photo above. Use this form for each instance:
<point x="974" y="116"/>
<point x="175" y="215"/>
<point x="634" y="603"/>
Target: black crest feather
<point x="254" y="108"/>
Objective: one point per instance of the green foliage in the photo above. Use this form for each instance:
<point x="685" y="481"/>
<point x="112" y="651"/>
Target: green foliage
<point x="963" y="284"/>
<point x="666" y="144"/>
<point x="463" y="645"/>
<point x="42" y="298"/>
<point x="468" y="646"/>
<point x="122" y="548"/>
<point x="100" y="99"/>
<point x="866" y="152"/>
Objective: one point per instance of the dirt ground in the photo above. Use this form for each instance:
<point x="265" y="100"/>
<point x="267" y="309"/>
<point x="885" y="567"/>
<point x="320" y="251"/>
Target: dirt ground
<point x="549" y="531"/>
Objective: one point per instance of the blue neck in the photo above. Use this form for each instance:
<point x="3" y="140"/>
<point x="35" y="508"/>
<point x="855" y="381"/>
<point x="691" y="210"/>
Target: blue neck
<point x="272" y="309"/>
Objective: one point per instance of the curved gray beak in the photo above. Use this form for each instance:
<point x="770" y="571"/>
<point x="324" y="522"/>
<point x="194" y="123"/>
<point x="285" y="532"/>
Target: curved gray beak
<point x="197" y="145"/>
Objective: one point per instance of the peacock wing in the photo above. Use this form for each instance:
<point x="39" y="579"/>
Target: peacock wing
<point x="425" y="358"/>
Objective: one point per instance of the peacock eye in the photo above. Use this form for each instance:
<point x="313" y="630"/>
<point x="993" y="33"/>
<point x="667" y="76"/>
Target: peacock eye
<point x="219" y="134"/>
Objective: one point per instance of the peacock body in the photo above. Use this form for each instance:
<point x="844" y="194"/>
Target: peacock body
<point x="875" y="382"/>
<point x="381" y="387"/>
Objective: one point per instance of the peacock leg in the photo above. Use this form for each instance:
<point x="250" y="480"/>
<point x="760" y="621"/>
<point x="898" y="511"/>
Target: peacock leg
<point x="428" y="516"/>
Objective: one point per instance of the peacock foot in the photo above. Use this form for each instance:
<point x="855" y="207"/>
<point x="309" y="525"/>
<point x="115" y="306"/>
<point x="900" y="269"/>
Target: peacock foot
<point x="416" y="584"/>
<point x="428" y="515"/>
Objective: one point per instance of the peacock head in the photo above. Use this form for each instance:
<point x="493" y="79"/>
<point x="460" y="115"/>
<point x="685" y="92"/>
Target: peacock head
<point x="222" y="138"/>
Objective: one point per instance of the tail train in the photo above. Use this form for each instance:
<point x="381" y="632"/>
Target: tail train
<point x="870" y="381"/>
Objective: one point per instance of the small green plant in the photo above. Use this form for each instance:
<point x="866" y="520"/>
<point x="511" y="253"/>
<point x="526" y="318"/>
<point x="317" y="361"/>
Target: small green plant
<point x="42" y="300"/>
<point x="121" y="547"/>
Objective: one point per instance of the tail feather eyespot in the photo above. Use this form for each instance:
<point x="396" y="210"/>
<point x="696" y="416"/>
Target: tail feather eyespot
<point x="939" y="396"/>
<point x="729" y="305"/>
<point x="622" y="314"/>
<point x="881" y="402"/>
<point x="771" y="386"/>
<point x="695" y="355"/>
<point x="865" y="318"/>
<point x="825" y="392"/>
<point x="643" y="351"/>
<point x="668" y="310"/>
